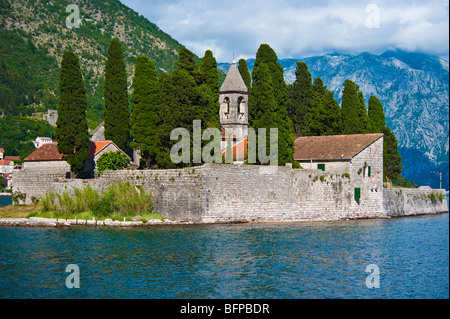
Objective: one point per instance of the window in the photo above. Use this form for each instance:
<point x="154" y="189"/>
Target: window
<point x="357" y="193"/>
<point x="369" y="171"/>
<point x="321" y="167"/>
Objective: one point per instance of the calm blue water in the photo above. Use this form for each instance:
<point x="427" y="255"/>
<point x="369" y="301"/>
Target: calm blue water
<point x="302" y="260"/>
<point x="5" y="200"/>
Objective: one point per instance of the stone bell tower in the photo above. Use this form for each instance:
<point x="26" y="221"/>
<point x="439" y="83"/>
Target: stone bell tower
<point x="233" y="99"/>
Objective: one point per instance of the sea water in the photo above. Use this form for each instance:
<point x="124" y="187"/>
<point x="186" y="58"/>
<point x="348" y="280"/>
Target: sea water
<point x="287" y="260"/>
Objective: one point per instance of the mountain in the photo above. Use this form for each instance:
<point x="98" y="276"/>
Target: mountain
<point x="34" y="36"/>
<point x="414" y="90"/>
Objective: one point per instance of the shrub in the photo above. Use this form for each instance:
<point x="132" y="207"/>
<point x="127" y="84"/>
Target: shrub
<point x="112" y="161"/>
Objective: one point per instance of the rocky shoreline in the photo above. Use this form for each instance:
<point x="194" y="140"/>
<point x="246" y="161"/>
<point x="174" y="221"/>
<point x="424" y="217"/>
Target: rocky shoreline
<point x="54" y="222"/>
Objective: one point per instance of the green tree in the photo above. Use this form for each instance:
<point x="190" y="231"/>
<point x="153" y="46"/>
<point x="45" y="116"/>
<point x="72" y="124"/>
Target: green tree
<point x="144" y="117"/>
<point x="71" y="126"/>
<point x="210" y="88"/>
<point x="245" y="74"/>
<point x="376" y="115"/>
<point x="116" y="97"/>
<point x="186" y="62"/>
<point x="181" y="104"/>
<point x="299" y="101"/>
<point x="208" y="69"/>
<point x="391" y="157"/>
<point x="354" y="116"/>
<point x="263" y="102"/>
<point x="324" y="116"/>
<point x="266" y="55"/>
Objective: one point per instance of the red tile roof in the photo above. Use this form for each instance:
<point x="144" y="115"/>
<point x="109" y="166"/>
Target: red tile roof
<point x="6" y="162"/>
<point x="96" y="147"/>
<point x="47" y="152"/>
<point x="12" y="158"/>
<point x="332" y="146"/>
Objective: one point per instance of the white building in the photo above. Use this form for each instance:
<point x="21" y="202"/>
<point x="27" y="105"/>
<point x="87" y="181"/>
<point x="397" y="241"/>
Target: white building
<point x="41" y="141"/>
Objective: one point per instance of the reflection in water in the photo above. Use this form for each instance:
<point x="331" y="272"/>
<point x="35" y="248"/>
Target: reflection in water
<point x="301" y="260"/>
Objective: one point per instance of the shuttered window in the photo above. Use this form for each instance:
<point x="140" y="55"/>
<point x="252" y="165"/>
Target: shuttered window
<point x="321" y="167"/>
<point x="357" y="193"/>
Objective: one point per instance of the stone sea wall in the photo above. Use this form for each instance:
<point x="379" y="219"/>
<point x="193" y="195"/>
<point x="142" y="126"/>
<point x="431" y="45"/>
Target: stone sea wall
<point x="406" y="201"/>
<point x="241" y="193"/>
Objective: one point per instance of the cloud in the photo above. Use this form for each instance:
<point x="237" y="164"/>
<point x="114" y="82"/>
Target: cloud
<point x="300" y="28"/>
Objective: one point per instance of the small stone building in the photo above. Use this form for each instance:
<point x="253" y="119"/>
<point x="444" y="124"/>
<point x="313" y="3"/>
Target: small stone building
<point x="97" y="149"/>
<point x="358" y="157"/>
<point x="46" y="159"/>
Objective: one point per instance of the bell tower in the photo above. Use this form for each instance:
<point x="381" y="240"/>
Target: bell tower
<point x="233" y="99"/>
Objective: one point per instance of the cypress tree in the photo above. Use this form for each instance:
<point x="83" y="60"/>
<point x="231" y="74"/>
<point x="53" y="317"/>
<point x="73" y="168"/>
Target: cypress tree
<point x="208" y="69"/>
<point x="186" y="62"/>
<point x="391" y="157"/>
<point x="116" y="97"/>
<point x="263" y="102"/>
<point x="245" y="74"/>
<point x="324" y="116"/>
<point x="376" y="115"/>
<point x="181" y="104"/>
<point x="144" y="117"/>
<point x="210" y="88"/>
<point x="266" y="55"/>
<point x="299" y="101"/>
<point x="71" y="125"/>
<point x="364" y="118"/>
<point x="354" y="119"/>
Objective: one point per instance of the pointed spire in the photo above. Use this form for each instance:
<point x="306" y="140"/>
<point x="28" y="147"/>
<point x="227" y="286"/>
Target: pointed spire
<point x="233" y="81"/>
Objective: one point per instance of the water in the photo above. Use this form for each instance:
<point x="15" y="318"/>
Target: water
<point x="301" y="260"/>
<point x="5" y="200"/>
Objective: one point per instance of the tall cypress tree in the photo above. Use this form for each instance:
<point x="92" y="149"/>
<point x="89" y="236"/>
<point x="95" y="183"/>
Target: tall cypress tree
<point x="300" y="95"/>
<point x="266" y="55"/>
<point x="245" y="73"/>
<point x="210" y="88"/>
<point x="324" y="116"/>
<point x="208" y="69"/>
<point x="71" y="125"/>
<point x="364" y="118"/>
<point x="391" y="157"/>
<point x="186" y="62"/>
<point x="116" y="97"/>
<point x="263" y="102"/>
<point x="376" y="115"/>
<point x="144" y="117"/>
<point x="354" y="119"/>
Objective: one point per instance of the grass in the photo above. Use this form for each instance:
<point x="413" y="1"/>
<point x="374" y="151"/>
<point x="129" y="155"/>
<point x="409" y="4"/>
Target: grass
<point x="119" y="201"/>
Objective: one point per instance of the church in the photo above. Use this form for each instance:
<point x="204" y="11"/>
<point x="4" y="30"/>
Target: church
<point x="233" y="114"/>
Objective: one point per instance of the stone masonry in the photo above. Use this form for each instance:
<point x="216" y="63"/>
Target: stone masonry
<point x="215" y="193"/>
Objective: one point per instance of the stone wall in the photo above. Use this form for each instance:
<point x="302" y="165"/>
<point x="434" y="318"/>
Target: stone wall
<point x="234" y="193"/>
<point x="406" y="201"/>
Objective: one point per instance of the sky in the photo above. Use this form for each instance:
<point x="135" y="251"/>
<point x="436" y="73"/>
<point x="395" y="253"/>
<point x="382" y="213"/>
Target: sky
<point x="301" y="28"/>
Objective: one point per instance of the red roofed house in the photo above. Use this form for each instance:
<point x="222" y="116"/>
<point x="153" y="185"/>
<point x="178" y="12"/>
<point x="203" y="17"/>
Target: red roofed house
<point x="48" y="159"/>
<point x="358" y="157"/>
<point x="97" y="149"/>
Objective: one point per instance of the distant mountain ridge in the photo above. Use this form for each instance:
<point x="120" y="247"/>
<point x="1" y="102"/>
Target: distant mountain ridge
<point x="414" y="90"/>
<point x="36" y="32"/>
